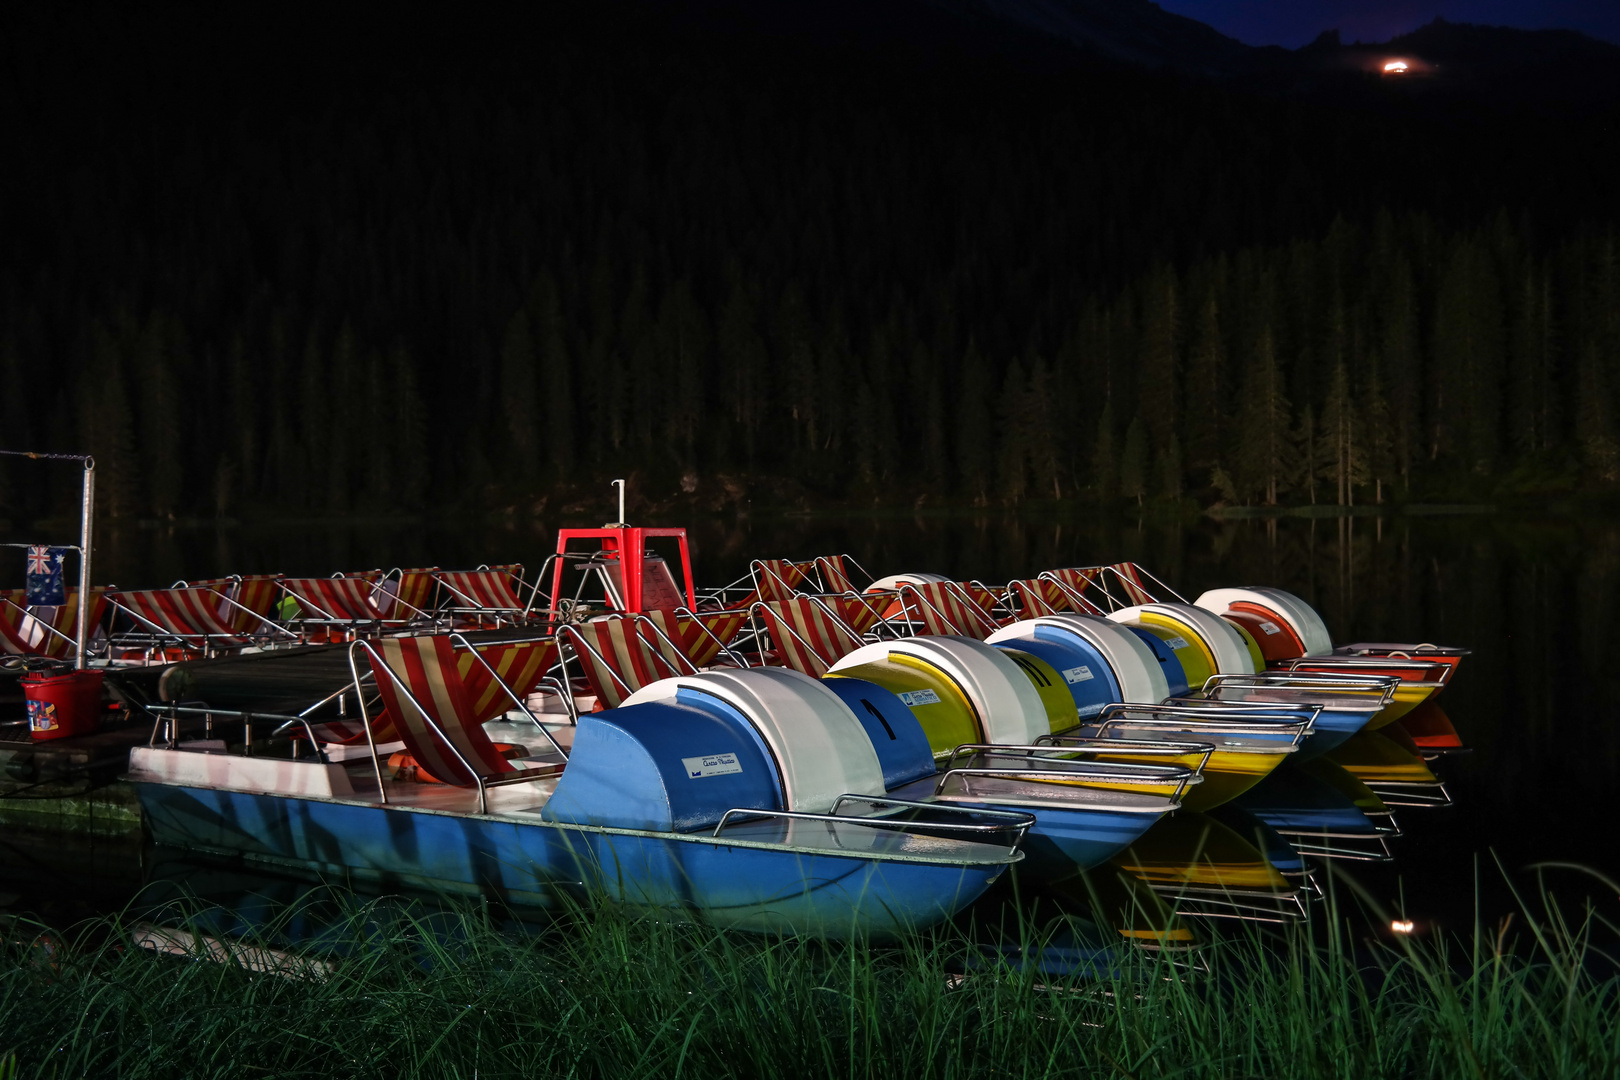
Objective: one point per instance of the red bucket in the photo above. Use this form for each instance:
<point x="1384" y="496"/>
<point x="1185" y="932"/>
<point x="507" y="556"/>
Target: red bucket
<point x="63" y="705"/>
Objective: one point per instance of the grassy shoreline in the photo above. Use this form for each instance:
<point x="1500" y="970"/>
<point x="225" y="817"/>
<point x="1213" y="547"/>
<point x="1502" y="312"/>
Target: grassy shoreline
<point x="384" y="990"/>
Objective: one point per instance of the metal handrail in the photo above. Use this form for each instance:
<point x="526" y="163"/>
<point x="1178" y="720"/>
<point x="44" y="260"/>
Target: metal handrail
<point x="1145" y="746"/>
<point x="247" y="716"/>
<point x="1215" y="710"/>
<point x="1300" y="728"/>
<point x="1309" y="681"/>
<point x="1069" y="776"/>
<point x="1017" y="821"/>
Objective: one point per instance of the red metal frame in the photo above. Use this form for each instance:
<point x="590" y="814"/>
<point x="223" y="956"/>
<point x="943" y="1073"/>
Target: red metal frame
<point x="629" y="544"/>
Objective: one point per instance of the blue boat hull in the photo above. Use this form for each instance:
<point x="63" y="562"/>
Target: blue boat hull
<point x="713" y="881"/>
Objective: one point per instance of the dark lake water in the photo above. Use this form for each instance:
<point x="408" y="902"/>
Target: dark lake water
<point x="1535" y="598"/>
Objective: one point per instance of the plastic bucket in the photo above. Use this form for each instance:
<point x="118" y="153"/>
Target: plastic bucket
<point x="60" y="706"/>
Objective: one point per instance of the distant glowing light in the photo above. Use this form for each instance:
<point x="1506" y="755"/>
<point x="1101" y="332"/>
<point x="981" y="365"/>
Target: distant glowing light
<point x="1396" y="67"/>
<point x="1401" y="926"/>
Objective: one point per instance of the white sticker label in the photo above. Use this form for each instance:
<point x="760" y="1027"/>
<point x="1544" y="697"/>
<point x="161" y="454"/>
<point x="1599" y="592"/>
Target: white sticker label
<point x="1270" y="627"/>
<point x="711" y="765"/>
<point x="1176" y="642"/>
<point x="914" y="698"/>
<point x="1077" y="674"/>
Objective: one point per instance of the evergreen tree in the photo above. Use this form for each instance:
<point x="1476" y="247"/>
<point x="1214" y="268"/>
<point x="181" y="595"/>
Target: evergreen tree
<point x="1104" y="458"/>
<point x="519" y="397"/>
<point x="973" y="442"/>
<point x="1133" y="462"/>
<point x="1400" y="352"/>
<point x="107" y="425"/>
<point x="1205" y="367"/>
<point x="1012" y="466"/>
<point x="1159" y="362"/>
<point x="160" y="417"/>
<point x="556" y="420"/>
<point x="1263" y="443"/>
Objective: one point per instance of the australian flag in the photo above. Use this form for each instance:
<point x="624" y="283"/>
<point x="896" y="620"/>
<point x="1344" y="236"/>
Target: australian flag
<point x="45" y="576"/>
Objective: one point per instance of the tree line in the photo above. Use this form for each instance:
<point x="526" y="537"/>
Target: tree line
<point x="927" y="276"/>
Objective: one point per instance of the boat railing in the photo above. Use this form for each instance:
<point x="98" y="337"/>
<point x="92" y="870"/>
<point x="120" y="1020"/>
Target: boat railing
<point x="1071" y="770"/>
<point x="168" y="721"/>
<point x="1083" y="744"/>
<point x="1318" y="680"/>
<point x="1016" y="822"/>
<point x="1172" y="718"/>
<point x="1348" y="665"/>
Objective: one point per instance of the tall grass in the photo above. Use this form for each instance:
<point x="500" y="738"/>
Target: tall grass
<point x="402" y="992"/>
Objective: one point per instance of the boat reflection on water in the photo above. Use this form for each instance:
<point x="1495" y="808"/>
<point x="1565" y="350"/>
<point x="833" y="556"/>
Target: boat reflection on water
<point x="1256" y="858"/>
<point x="1323" y="810"/>
<point x="1206" y="868"/>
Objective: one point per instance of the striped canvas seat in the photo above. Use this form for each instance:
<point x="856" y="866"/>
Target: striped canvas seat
<point x="47" y="631"/>
<point x="252" y="599"/>
<point x="858" y="611"/>
<point x="432" y="706"/>
<point x="834" y="578"/>
<point x="1075" y="581"/>
<point x="1037" y="596"/>
<point x="1129" y="576"/>
<point x="808" y="635"/>
<point x="407" y="594"/>
<point x="684" y="638"/>
<point x="519" y="666"/>
<point x="190" y="616"/>
<point x="483" y="592"/>
<point x="777" y="579"/>
<point x="944" y="607"/>
<point x="518" y="669"/>
<point x="12" y="614"/>
<point x="336" y="600"/>
<point x="617" y="658"/>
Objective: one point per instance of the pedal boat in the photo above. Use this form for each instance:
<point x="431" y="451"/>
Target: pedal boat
<point x="1084" y="812"/>
<point x="1220" y="662"/>
<point x="1082" y="666"/>
<point x="740" y="816"/>
<point x="1289" y="635"/>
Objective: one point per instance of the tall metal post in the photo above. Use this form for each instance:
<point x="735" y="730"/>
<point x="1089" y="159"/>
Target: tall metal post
<point x="87" y="511"/>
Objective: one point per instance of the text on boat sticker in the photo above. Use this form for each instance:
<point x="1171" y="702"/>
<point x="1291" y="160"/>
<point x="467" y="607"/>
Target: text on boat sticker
<point x="711" y="765"/>
<point x="1176" y="642"/>
<point x="1270" y="627"/>
<point x="914" y="698"/>
<point x="1077" y="674"/>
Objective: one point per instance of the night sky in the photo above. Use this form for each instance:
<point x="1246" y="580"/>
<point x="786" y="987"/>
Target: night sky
<point x="1296" y="22"/>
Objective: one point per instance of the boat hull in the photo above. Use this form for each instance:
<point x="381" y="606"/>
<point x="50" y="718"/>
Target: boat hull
<point x="756" y="888"/>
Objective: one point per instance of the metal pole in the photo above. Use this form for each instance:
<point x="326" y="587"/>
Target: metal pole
<point x="620" y="522"/>
<point x="88" y="512"/>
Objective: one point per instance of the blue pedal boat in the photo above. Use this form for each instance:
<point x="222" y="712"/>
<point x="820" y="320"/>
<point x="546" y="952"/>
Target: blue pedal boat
<point x="667" y="804"/>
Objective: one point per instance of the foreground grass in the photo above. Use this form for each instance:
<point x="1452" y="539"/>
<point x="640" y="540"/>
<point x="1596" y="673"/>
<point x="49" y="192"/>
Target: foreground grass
<point x="401" y="993"/>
